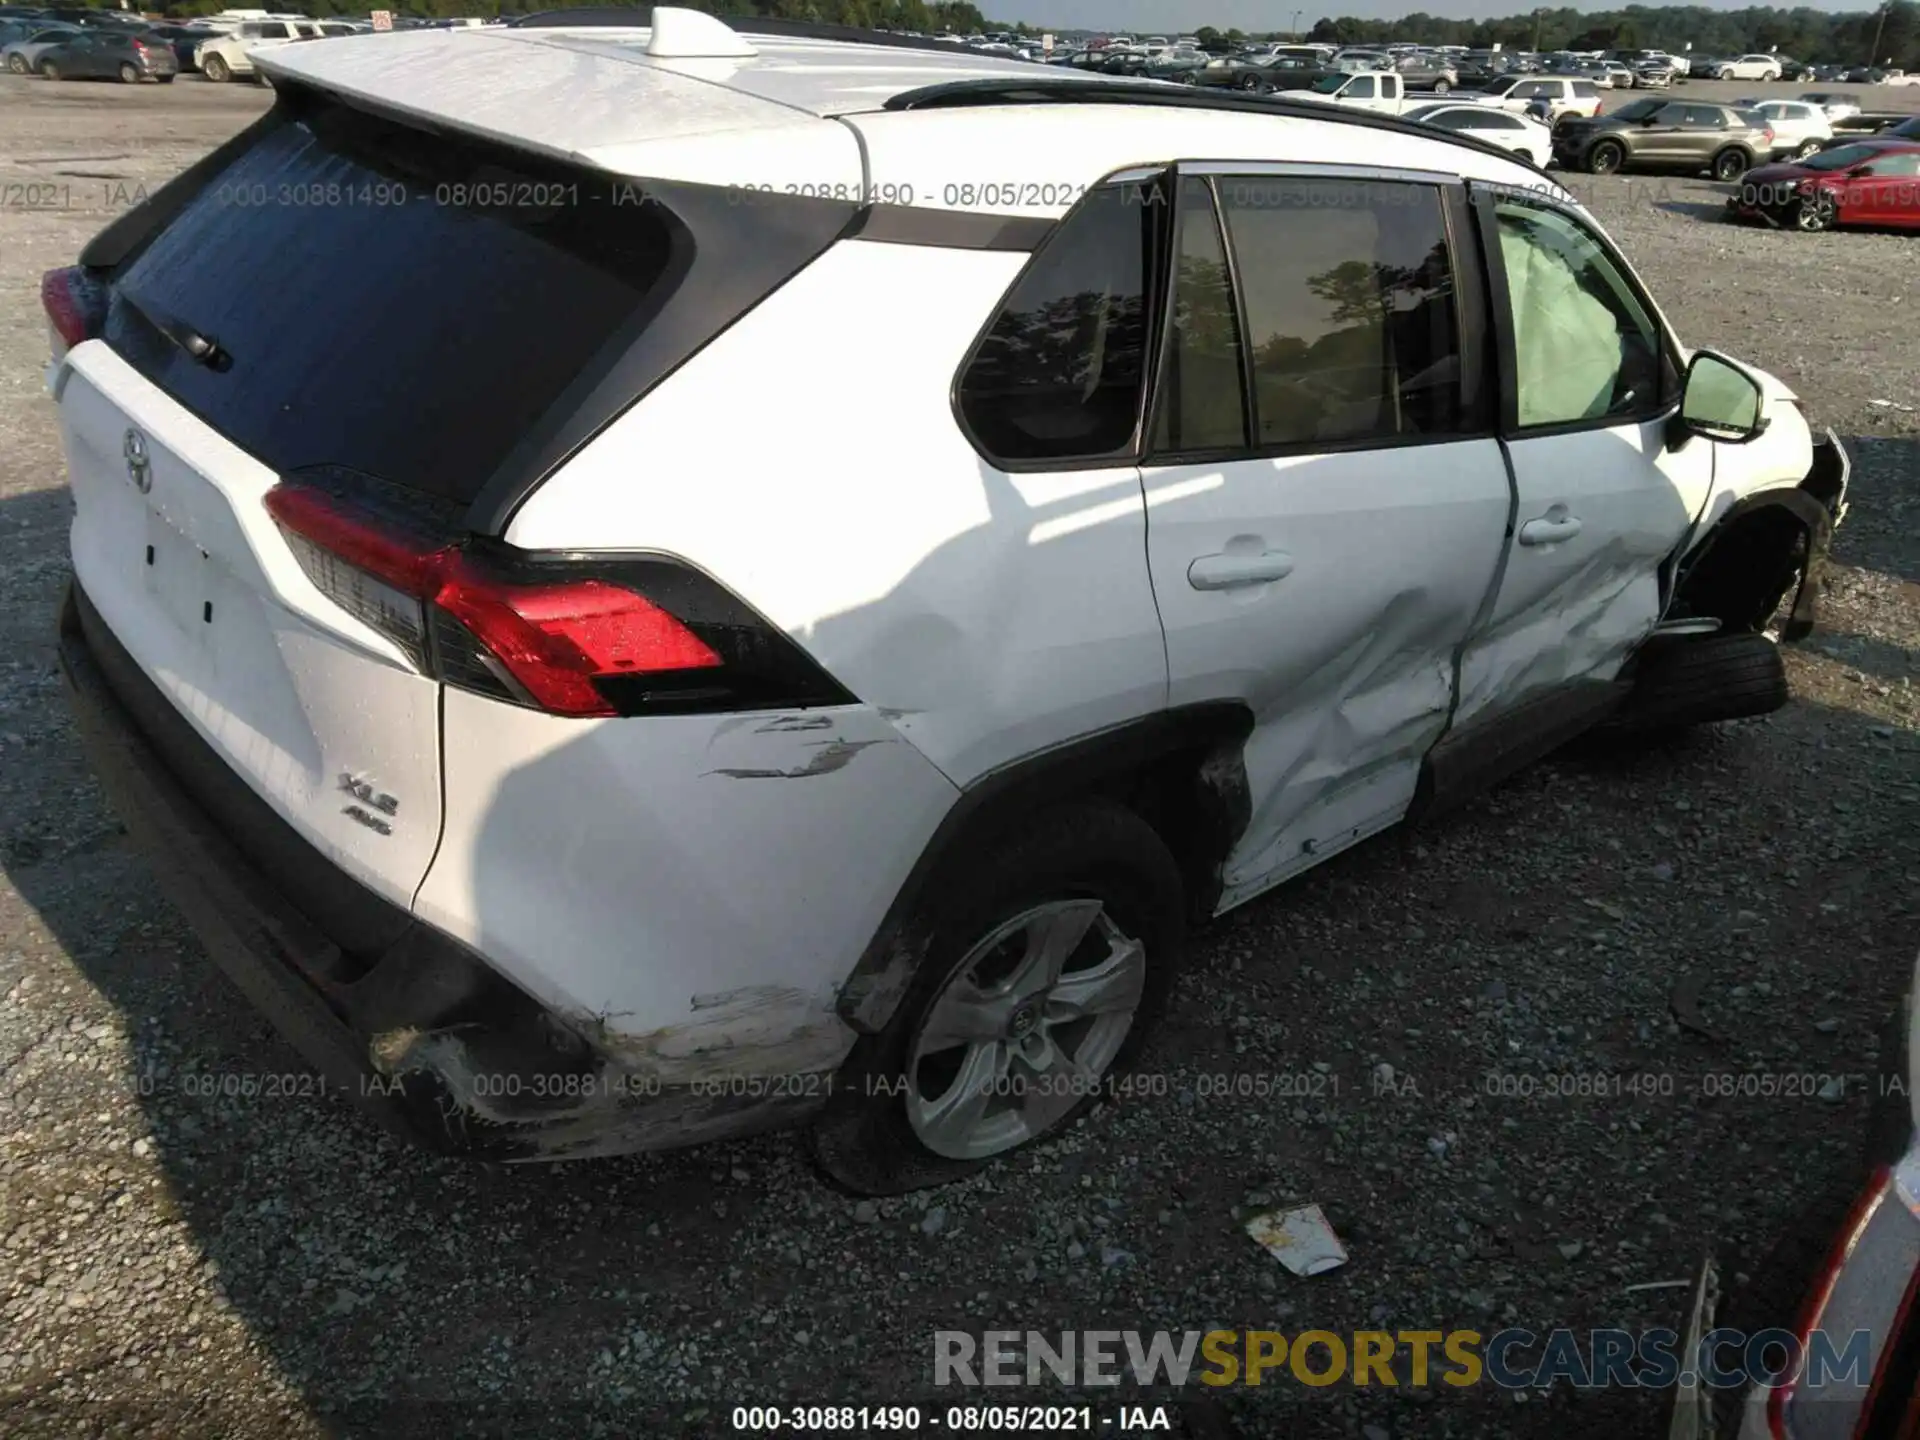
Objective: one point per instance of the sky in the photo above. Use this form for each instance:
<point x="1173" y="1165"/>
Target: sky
<point x="1169" y="16"/>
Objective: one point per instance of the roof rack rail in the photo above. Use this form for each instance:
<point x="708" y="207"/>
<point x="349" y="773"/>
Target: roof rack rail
<point x="1095" y="90"/>
<point x="639" y="17"/>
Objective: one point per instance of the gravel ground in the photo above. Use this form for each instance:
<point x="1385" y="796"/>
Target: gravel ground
<point x="184" y="1261"/>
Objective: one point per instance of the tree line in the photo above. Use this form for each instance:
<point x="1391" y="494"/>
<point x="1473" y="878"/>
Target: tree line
<point x="1889" y="34"/>
<point x="1813" y="35"/>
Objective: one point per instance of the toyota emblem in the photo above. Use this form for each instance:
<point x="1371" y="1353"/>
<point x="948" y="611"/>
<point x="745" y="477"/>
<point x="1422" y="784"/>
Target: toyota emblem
<point x="139" y="467"/>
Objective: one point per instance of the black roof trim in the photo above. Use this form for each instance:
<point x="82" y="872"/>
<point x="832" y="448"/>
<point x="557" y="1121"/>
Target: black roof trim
<point x="1045" y="90"/>
<point x="641" y="16"/>
<point x="949" y="229"/>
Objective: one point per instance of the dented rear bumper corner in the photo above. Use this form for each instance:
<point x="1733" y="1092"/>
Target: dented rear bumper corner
<point x="424" y="1035"/>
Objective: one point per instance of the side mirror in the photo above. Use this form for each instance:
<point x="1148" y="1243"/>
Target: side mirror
<point x="1858" y="171"/>
<point x="1720" y="401"/>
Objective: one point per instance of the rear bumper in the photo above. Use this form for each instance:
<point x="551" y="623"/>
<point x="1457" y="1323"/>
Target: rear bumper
<point x="425" y="1035"/>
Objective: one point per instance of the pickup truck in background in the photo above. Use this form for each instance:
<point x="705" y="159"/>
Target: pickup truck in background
<point x="1382" y="90"/>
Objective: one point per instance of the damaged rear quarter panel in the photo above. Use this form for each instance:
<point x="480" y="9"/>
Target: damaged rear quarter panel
<point x="688" y="891"/>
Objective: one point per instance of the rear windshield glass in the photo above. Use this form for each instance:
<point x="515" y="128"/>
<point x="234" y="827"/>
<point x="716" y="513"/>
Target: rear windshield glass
<point x="404" y="305"/>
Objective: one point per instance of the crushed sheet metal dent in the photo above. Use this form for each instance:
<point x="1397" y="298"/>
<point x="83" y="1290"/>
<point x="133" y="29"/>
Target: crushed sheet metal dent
<point x="761" y="1030"/>
<point x="768" y="1031"/>
<point x="606" y="1121"/>
<point x="1503" y="673"/>
<point x="828" y="756"/>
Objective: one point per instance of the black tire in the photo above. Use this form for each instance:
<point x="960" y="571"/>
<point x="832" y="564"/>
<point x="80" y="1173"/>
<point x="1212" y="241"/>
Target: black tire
<point x="263" y="80"/>
<point x="17" y="64"/>
<point x="216" y="70"/>
<point x="164" y="79"/>
<point x="1250" y="82"/>
<point x="1703" y="680"/>
<point x="49" y="70"/>
<point x="1097" y="849"/>
<point x="129" y="74"/>
<point x="1731" y="163"/>
<point x="1441" y="87"/>
<point x="1606" y="157"/>
<point x="1812" y="147"/>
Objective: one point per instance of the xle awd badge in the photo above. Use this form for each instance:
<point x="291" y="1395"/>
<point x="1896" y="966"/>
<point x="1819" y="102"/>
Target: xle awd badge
<point x="139" y="467"/>
<point x="368" y="801"/>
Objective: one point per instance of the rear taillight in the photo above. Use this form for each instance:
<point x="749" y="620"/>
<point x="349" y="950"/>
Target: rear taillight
<point x="76" y="304"/>
<point x="570" y="635"/>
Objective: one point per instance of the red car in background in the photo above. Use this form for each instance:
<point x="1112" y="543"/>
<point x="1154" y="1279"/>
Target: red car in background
<point x="1868" y="182"/>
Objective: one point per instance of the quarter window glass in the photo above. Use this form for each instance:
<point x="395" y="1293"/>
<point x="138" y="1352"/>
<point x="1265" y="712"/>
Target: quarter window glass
<point x="1584" y="346"/>
<point x="1896" y="165"/>
<point x="1348" y="292"/>
<point x="1058" y="376"/>
<point x="1202" y="402"/>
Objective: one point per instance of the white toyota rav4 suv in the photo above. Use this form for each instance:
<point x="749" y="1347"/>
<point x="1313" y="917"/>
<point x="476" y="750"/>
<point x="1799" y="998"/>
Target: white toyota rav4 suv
<point x="774" y="577"/>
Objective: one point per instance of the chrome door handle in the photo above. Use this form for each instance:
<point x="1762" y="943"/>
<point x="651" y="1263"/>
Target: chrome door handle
<point x="1549" y="530"/>
<point x="1229" y="572"/>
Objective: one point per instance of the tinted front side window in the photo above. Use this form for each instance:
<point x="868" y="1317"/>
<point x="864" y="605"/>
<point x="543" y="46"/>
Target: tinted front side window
<point x="1348" y="292"/>
<point x="1059" y="374"/>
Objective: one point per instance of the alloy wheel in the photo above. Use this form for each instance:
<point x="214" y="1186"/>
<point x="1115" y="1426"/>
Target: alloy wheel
<point x="1024" y="1030"/>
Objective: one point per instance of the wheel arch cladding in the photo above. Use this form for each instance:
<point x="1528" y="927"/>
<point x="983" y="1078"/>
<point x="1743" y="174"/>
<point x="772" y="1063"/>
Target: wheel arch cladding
<point x="1742" y="569"/>
<point x="1181" y="770"/>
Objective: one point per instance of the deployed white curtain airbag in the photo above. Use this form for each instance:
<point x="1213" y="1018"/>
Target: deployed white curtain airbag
<point x="1567" y="349"/>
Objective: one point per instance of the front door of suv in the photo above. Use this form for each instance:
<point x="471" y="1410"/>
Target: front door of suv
<point x="1325" y="498"/>
<point x="1588" y="377"/>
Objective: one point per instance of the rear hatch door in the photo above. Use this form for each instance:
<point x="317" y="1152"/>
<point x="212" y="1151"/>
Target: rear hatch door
<point x="390" y="312"/>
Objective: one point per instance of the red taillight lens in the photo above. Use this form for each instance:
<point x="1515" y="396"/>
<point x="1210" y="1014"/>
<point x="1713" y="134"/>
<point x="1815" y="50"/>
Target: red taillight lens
<point x="543" y="633"/>
<point x="75" y="302"/>
<point x="556" y="640"/>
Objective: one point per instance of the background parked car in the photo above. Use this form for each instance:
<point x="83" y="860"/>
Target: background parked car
<point x="1870" y="182"/>
<point x="1666" y="134"/>
<point x="185" y="40"/>
<point x="1563" y="95"/>
<point x="1620" y="77"/>
<point x="231" y="56"/>
<point x="1529" y="138"/>
<point x="1799" y="128"/>
<point x="102" y="54"/>
<point x="1424" y="72"/>
<point x="1750" y="67"/>
<point x="1835" y="104"/>
<point x="1654" y="75"/>
<point x="23" y="55"/>
<point x="1248" y="72"/>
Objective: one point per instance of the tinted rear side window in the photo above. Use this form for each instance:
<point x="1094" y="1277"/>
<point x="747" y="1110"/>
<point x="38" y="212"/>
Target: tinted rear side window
<point x="1348" y="290"/>
<point x="1058" y="375"/>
